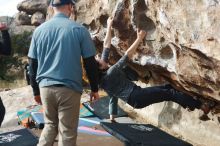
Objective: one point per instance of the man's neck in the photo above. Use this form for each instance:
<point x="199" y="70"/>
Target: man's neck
<point x="60" y="12"/>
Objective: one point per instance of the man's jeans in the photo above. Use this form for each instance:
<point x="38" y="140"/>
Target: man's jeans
<point x="142" y="97"/>
<point x="61" y="113"/>
<point x="2" y="111"/>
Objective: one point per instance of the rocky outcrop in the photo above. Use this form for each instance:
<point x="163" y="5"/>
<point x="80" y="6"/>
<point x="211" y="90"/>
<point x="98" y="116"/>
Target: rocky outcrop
<point x="37" y="18"/>
<point x="182" y="48"/>
<point x="22" y="18"/>
<point x="34" y="10"/>
<point x="182" y="45"/>
<point x="178" y="48"/>
<point x="33" y="6"/>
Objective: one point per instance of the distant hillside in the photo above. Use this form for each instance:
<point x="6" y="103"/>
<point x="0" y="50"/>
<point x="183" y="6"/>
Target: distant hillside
<point x="6" y="19"/>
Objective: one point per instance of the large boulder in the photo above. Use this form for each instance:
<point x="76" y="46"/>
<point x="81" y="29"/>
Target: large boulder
<point x="37" y="18"/>
<point x="183" y="42"/>
<point x="22" y="18"/>
<point x="33" y="6"/>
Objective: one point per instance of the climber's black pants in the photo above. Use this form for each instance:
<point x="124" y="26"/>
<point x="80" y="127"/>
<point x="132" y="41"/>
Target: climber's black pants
<point x="142" y="97"/>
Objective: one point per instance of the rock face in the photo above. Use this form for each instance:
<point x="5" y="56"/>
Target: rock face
<point x="34" y="10"/>
<point x="37" y="18"/>
<point x="183" y="42"/>
<point x="22" y="18"/>
<point x="182" y="46"/>
<point x="32" y="6"/>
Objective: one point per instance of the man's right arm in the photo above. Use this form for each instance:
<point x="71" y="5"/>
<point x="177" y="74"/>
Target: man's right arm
<point x="107" y="41"/>
<point x="140" y="36"/>
<point x="33" y="63"/>
<point x="131" y="50"/>
<point x="108" y="36"/>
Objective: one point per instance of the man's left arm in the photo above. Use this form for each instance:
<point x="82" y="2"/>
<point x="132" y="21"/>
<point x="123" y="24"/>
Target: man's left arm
<point x="90" y="64"/>
<point x="91" y="68"/>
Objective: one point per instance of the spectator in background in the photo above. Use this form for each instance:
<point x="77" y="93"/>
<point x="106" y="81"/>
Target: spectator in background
<point x="5" y="45"/>
<point x="5" y="49"/>
<point x="55" y="66"/>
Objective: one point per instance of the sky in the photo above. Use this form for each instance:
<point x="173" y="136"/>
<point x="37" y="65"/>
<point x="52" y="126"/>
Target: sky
<point x="8" y="7"/>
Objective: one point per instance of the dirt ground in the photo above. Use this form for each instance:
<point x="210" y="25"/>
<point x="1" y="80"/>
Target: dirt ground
<point x="90" y="140"/>
<point x="17" y="99"/>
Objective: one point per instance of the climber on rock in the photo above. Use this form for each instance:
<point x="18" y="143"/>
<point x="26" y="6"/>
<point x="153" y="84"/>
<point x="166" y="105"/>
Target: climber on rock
<point x="116" y="82"/>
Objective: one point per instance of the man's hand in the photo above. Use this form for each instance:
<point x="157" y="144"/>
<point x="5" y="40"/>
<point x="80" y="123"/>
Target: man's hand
<point x="109" y="21"/>
<point x="101" y="63"/>
<point x="94" y="96"/>
<point x="141" y="34"/>
<point x="38" y="99"/>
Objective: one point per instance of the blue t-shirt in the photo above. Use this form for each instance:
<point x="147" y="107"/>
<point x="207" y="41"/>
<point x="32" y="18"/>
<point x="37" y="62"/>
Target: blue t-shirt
<point x="58" y="45"/>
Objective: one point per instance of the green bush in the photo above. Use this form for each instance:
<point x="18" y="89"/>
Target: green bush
<point x="11" y="67"/>
<point x="21" y="42"/>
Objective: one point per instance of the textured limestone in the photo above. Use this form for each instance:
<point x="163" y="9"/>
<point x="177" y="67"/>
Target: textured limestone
<point x="37" y="18"/>
<point x="32" y="6"/>
<point x="182" y="45"/>
<point x="182" y="48"/>
<point x="22" y="18"/>
<point x="31" y="12"/>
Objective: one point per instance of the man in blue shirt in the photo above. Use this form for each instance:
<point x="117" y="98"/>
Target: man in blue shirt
<point x="55" y="66"/>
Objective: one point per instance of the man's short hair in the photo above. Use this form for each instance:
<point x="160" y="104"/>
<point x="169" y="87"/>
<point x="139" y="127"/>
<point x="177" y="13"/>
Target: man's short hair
<point x="57" y="3"/>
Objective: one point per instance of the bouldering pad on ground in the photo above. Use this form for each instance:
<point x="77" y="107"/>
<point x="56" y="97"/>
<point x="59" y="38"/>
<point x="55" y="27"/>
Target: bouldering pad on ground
<point x="24" y="115"/>
<point x="21" y="137"/>
<point x="84" y="112"/>
<point x="85" y="139"/>
<point x="89" y="121"/>
<point x="101" y="108"/>
<point x="142" y="134"/>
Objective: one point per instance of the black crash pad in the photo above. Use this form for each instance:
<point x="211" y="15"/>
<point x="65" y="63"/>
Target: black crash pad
<point x="142" y="135"/>
<point x="21" y="137"/>
<point x="101" y="108"/>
